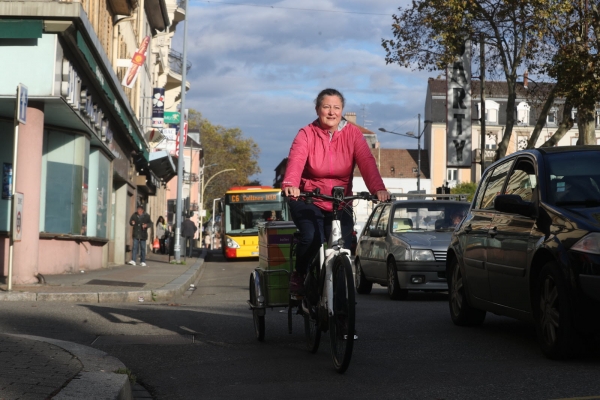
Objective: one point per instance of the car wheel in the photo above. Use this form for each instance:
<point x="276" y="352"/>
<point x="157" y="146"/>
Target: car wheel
<point x="554" y="330"/>
<point x="363" y="286"/>
<point x="394" y="290"/>
<point x="461" y="312"/>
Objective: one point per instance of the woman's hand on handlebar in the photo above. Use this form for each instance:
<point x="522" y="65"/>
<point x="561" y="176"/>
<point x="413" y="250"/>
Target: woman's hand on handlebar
<point x="291" y="191"/>
<point x="383" y="195"/>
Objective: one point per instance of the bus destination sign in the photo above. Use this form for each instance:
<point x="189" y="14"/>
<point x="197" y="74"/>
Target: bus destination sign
<point x="253" y="197"/>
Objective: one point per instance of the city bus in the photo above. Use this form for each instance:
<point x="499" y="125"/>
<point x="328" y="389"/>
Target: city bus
<point x="244" y="207"/>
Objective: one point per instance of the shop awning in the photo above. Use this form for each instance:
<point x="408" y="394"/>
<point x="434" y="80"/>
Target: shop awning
<point x="161" y="163"/>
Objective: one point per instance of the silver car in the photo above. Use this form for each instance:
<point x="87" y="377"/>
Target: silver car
<point x="403" y="246"/>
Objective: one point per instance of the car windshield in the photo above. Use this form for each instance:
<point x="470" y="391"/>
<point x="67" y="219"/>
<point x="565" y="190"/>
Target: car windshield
<point x="427" y="216"/>
<point x="573" y="179"/>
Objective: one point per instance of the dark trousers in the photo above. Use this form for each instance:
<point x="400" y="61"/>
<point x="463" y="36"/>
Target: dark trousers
<point x="188" y="245"/>
<point x="314" y="225"/>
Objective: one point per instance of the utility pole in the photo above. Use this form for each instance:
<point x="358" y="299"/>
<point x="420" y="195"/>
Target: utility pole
<point x="482" y="83"/>
<point x="180" y="161"/>
<point x="419" y="155"/>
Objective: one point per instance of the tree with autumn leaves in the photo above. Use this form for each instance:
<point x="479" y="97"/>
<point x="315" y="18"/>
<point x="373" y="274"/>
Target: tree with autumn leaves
<point x="227" y="148"/>
<point x="557" y="40"/>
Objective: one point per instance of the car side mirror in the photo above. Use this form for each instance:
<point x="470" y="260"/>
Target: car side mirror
<point x="513" y="204"/>
<point x="377" y="233"/>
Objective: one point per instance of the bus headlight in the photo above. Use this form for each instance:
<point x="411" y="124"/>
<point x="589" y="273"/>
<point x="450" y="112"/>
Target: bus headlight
<point x="232" y="244"/>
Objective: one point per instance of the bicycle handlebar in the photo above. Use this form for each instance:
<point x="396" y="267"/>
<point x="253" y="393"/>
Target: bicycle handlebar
<point x="316" y="194"/>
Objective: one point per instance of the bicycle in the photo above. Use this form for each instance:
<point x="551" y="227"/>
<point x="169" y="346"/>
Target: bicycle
<point x="329" y="301"/>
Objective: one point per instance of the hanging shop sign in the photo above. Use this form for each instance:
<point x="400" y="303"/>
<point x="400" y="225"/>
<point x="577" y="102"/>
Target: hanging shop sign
<point x="158" y="107"/>
<point x="458" y="129"/>
<point x="136" y="63"/>
<point x="171" y="117"/>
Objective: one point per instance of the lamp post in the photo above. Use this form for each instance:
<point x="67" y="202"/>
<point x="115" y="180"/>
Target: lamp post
<point x="210" y="179"/>
<point x="178" y="204"/>
<point x="202" y="191"/>
<point x="418" y="137"/>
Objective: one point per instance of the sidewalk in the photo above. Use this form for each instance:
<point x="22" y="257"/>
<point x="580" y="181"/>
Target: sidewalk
<point x="34" y="367"/>
<point x="159" y="280"/>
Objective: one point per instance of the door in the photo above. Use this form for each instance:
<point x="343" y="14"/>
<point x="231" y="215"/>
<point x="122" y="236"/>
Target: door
<point x="509" y="240"/>
<point x="474" y="232"/>
<point x="366" y="242"/>
<point x="380" y="245"/>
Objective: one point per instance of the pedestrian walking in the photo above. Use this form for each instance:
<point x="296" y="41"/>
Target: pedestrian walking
<point x="140" y="221"/>
<point x="161" y="230"/>
<point x="188" y="230"/>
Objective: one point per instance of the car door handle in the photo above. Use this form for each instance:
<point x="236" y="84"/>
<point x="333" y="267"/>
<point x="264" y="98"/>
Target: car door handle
<point x="493" y="231"/>
<point x="468" y="228"/>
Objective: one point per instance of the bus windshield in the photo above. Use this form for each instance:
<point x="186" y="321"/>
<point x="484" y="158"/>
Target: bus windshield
<point x="244" y="211"/>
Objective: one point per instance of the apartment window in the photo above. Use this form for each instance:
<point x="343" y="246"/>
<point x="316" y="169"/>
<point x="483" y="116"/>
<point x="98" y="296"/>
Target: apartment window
<point x="491" y="141"/>
<point x="574" y="116"/>
<point x="551" y="119"/>
<point x="491" y="111"/>
<point x="574" y="140"/>
<point x="451" y="174"/>
<point x="523" y="113"/>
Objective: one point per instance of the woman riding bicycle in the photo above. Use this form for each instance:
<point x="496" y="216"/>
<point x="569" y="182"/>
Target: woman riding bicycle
<point x="323" y="155"/>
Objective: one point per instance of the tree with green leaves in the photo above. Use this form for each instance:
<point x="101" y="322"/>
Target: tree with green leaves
<point x="224" y="148"/>
<point x="428" y="33"/>
<point x="467" y="188"/>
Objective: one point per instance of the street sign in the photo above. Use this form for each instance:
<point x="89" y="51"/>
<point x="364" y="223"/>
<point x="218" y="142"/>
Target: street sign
<point x="18" y="217"/>
<point x="171" y="117"/>
<point x="22" y="103"/>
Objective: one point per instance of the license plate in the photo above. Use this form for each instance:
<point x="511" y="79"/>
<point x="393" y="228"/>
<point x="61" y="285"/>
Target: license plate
<point x="255" y="253"/>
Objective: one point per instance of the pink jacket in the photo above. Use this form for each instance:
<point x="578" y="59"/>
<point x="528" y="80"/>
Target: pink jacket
<point x="316" y="161"/>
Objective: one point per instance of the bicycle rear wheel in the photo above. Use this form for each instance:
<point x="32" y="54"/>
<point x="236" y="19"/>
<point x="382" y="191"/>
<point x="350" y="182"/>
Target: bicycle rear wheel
<point x="341" y="324"/>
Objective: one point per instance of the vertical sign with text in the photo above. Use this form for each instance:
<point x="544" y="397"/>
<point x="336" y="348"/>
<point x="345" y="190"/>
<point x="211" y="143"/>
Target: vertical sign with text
<point x="458" y="109"/>
<point x="17" y="228"/>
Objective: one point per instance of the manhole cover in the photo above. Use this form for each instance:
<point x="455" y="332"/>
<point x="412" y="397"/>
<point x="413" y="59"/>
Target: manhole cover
<point x="143" y="339"/>
<point x="102" y="282"/>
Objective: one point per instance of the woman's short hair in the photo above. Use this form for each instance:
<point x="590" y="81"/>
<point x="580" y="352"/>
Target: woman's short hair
<point x="329" y="92"/>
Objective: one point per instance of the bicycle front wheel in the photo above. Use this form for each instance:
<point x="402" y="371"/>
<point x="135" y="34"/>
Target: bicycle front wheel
<point x="341" y="324"/>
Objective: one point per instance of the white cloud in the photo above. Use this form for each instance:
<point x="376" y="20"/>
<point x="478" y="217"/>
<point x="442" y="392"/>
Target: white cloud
<point x="260" y="68"/>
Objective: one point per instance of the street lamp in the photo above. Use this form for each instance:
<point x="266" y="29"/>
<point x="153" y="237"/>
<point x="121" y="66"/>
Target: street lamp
<point x="418" y="137"/>
<point x="202" y="191"/>
<point x="210" y="179"/>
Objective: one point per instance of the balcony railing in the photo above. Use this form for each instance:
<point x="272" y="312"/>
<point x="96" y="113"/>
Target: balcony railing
<point x="176" y="62"/>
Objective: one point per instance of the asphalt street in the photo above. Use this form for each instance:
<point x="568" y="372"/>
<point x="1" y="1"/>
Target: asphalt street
<point x="201" y="345"/>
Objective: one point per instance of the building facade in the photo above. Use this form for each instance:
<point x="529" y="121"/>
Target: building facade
<point x="81" y="160"/>
<point x="529" y="102"/>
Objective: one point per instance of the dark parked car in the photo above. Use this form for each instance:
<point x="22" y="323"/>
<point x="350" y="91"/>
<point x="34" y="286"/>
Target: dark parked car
<point x="403" y="246"/>
<point x="529" y="248"/>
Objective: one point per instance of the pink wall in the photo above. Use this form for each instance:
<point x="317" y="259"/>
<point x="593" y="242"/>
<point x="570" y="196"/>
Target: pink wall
<point x="69" y="256"/>
<point x="28" y="178"/>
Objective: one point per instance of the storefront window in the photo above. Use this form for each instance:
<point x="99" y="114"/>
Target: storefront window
<point x="98" y="189"/>
<point x="64" y="180"/>
<point x="6" y="159"/>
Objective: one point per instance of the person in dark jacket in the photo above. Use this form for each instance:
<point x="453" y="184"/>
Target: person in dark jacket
<point x="140" y="221"/>
<point x="188" y="230"/>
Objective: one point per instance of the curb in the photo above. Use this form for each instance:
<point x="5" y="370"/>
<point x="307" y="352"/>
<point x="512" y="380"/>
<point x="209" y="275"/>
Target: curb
<point x="176" y="287"/>
<point x="97" y="379"/>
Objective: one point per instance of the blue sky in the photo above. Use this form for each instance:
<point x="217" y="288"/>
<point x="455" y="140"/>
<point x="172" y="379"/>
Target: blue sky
<point x="258" y="66"/>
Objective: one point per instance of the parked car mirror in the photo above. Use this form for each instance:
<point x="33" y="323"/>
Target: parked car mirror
<point x="514" y="204"/>
<point x="377" y="233"/>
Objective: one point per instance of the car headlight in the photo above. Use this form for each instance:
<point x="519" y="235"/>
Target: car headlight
<point x="588" y="244"/>
<point x="232" y="244"/>
<point x="422" y="255"/>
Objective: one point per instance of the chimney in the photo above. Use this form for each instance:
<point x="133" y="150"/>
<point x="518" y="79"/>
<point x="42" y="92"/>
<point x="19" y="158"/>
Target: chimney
<point x="350" y="117"/>
<point x="525" y="79"/>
